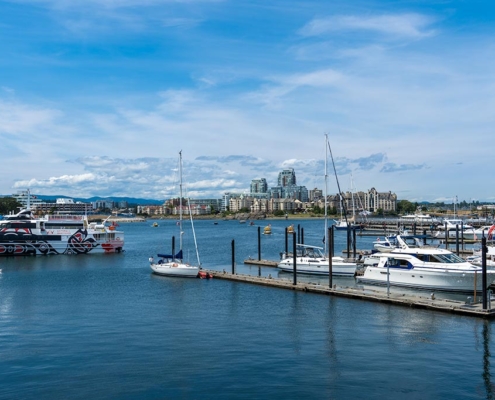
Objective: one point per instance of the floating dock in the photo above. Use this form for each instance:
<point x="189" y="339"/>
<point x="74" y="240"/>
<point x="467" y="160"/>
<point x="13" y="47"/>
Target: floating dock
<point x="261" y="263"/>
<point x="431" y="303"/>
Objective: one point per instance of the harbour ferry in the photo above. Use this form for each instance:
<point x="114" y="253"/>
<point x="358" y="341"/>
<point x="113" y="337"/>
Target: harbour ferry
<point x="25" y="234"/>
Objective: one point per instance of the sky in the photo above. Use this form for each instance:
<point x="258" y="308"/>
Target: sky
<point x="97" y="97"/>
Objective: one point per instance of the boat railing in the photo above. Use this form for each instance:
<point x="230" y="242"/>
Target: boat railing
<point x="57" y="217"/>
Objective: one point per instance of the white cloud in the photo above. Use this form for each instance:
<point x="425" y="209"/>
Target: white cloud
<point x="22" y="119"/>
<point x="410" y="25"/>
<point x="56" y="182"/>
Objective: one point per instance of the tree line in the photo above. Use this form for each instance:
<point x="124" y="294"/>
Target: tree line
<point x="8" y="205"/>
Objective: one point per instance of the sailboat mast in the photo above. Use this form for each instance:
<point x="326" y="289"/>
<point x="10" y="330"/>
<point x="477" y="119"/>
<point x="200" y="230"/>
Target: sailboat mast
<point x="180" y="200"/>
<point x="338" y="184"/>
<point x="326" y="196"/>
<point x="29" y="200"/>
<point x="353" y="204"/>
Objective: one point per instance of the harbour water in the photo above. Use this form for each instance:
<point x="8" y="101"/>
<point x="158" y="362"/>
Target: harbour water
<point x="102" y="326"/>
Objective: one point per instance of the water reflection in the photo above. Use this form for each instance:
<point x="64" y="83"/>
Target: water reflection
<point x="487" y="377"/>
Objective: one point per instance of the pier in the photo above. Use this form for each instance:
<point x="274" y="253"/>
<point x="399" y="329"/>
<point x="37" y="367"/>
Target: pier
<point x="401" y="299"/>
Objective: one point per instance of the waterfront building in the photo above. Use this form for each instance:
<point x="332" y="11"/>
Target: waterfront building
<point x="22" y="197"/>
<point x="374" y="200"/>
<point x="123" y="204"/>
<point x="196" y="209"/>
<point x="240" y="202"/>
<point x="104" y="205"/>
<point x="287" y="177"/>
<point x="286" y="205"/>
<point x="225" y="201"/>
<point x="315" y="194"/>
<point x="297" y="193"/>
<point x="260" y="205"/>
<point x="153" y="210"/>
<point x="259" y="186"/>
<point x="287" y="192"/>
<point x="213" y="204"/>
<point x="64" y="206"/>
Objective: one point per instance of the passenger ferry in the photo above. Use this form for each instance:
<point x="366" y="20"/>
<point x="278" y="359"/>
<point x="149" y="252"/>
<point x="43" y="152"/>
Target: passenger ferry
<point x="25" y="234"/>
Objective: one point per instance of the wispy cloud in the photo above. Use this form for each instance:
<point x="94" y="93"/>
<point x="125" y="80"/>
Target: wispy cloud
<point x="410" y="25"/>
<point x="18" y="118"/>
<point x="391" y="167"/>
<point x="279" y="86"/>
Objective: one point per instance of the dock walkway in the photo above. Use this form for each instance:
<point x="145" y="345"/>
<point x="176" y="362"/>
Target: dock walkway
<point x="444" y="305"/>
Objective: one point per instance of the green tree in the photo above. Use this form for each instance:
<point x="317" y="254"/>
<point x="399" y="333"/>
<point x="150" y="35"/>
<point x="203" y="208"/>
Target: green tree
<point x="9" y="205"/>
<point x="405" y="207"/>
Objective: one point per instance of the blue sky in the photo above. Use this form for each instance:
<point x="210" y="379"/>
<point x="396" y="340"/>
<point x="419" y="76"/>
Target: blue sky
<point x="98" y="97"/>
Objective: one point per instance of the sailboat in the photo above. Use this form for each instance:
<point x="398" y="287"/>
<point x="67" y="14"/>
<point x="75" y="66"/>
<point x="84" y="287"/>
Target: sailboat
<point x="173" y="264"/>
<point x="343" y="223"/>
<point x="315" y="260"/>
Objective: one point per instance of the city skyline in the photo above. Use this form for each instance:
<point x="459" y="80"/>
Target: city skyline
<point x="98" y="97"/>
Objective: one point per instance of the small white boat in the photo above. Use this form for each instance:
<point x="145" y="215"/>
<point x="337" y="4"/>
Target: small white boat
<point x="311" y="260"/>
<point x="452" y="226"/>
<point x="342" y="224"/>
<point x="386" y="245"/>
<point x="423" y="267"/>
<point x="478" y="233"/>
<point x="421" y="219"/>
<point x="172" y="264"/>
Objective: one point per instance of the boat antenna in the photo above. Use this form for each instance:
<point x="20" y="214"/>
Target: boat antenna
<point x="338" y="184"/>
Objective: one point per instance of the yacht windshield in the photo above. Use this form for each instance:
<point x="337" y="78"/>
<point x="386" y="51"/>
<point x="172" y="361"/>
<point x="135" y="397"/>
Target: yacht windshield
<point x="310" y="252"/>
<point x="447" y="258"/>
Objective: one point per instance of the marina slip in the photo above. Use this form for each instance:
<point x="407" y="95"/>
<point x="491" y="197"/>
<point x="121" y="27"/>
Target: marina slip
<point x="104" y="326"/>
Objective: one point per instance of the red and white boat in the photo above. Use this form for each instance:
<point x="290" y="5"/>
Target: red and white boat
<point x="25" y="234"/>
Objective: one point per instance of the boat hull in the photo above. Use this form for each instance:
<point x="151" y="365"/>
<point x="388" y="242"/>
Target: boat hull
<point x="339" y="268"/>
<point x="444" y="280"/>
<point x="175" y="270"/>
<point x="79" y="244"/>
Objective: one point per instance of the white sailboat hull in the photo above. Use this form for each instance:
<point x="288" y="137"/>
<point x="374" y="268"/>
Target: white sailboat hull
<point x="319" y="267"/>
<point x="175" y="269"/>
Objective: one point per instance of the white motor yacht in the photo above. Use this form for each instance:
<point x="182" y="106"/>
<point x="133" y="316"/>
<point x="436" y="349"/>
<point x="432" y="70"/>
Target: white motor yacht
<point x="423" y="267"/>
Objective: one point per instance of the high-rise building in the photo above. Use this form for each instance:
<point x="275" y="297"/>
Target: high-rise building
<point x="287" y="177"/>
<point x="259" y="186"/>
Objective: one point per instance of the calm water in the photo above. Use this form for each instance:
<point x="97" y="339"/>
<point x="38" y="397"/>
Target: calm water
<point x="102" y="326"/>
